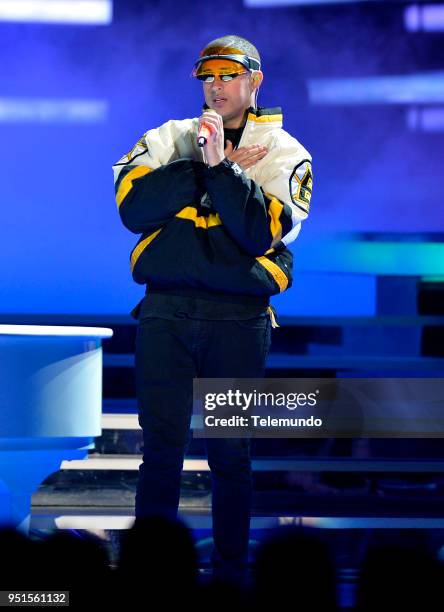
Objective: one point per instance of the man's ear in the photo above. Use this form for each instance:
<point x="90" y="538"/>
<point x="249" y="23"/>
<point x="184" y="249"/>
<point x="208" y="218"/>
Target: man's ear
<point x="257" y="77"/>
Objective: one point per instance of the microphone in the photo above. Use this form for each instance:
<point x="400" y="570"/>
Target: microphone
<point x="203" y="135"/>
<point x="205" y="131"/>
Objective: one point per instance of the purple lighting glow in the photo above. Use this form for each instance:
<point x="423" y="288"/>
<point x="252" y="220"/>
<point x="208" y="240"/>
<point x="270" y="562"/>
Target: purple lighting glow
<point x="426" y="119"/>
<point x="427" y="17"/>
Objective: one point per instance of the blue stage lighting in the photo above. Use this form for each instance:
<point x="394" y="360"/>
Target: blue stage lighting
<point x="426" y="17"/>
<point x="85" y="12"/>
<point x="42" y="110"/>
<point x="275" y="3"/>
<point x="411" y="89"/>
<point x="426" y="119"/>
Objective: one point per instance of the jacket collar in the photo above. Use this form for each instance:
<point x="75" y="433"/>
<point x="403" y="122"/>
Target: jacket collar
<point x="262" y="115"/>
<point x="265" y="115"/>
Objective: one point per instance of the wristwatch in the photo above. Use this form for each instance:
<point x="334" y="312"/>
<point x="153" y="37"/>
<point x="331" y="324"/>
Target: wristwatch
<point x="225" y="164"/>
<point x="234" y="166"/>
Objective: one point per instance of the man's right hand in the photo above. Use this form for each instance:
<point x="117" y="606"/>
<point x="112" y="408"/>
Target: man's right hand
<point x="246" y="157"/>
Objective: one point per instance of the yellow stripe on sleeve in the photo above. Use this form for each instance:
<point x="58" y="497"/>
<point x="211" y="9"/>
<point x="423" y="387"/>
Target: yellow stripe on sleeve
<point x="275" y="271"/>
<point x="141" y="247"/>
<point x="190" y="213"/>
<point x="127" y="182"/>
<point x="274" y="210"/>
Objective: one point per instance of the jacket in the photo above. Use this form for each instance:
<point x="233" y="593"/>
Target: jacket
<point x="214" y="229"/>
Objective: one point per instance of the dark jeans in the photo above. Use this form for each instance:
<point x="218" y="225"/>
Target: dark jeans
<point x="169" y="354"/>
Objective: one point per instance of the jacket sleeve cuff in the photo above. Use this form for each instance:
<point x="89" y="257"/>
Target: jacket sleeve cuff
<point x="225" y="166"/>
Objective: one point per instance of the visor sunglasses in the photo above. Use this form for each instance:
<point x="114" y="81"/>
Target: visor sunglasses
<point x="210" y="77"/>
<point x="248" y="64"/>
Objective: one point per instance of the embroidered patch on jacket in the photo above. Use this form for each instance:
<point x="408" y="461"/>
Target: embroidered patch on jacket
<point x="301" y="184"/>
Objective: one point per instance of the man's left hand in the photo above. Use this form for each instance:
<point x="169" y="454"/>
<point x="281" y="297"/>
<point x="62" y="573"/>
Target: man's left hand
<point x="246" y="157"/>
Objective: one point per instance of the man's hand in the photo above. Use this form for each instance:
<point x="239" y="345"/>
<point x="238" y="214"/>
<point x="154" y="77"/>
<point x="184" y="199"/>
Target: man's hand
<point x="214" y="151"/>
<point x="246" y="157"/>
<point x="214" y="148"/>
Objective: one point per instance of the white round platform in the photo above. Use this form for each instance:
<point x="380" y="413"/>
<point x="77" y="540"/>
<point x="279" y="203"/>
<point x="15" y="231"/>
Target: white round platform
<point x="55" y="330"/>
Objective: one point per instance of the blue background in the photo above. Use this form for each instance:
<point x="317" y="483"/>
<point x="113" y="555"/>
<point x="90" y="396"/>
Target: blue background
<point x="63" y="248"/>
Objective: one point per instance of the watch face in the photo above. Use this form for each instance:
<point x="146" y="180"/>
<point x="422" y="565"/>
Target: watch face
<point x="236" y="168"/>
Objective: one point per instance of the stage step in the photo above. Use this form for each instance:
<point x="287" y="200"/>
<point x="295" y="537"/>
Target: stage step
<point x="287" y="464"/>
<point x="278" y="361"/>
<point x="120" y="421"/>
<point x="66" y="518"/>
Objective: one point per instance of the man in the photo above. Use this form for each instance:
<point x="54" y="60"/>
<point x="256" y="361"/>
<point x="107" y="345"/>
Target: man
<point x="215" y="222"/>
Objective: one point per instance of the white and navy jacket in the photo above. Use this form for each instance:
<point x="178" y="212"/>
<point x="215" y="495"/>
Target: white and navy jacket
<point x="212" y="228"/>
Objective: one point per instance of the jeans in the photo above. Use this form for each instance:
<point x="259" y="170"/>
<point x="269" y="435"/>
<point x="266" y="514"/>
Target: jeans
<point x="169" y="354"/>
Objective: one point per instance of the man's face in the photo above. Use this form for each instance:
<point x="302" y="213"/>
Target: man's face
<point x="228" y="98"/>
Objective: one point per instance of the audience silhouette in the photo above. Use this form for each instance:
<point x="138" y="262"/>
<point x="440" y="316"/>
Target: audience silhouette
<point x="159" y="565"/>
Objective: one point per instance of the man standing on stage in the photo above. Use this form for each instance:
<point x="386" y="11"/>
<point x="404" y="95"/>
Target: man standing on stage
<point x="215" y="223"/>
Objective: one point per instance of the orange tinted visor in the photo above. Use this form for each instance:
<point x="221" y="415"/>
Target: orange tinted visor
<point x="219" y="66"/>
